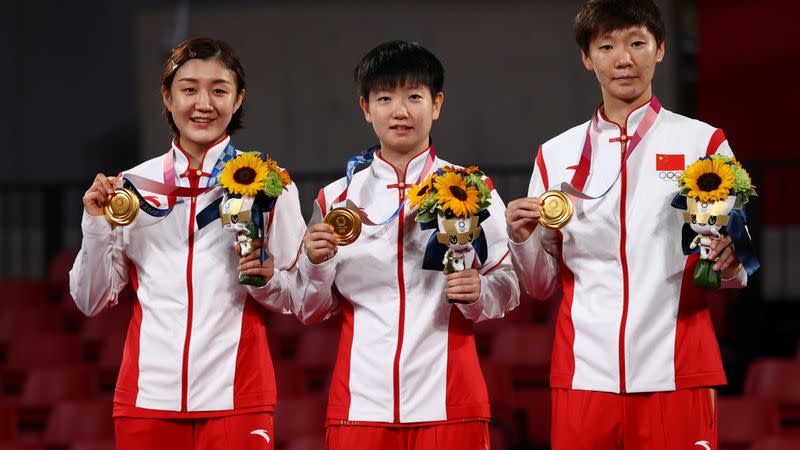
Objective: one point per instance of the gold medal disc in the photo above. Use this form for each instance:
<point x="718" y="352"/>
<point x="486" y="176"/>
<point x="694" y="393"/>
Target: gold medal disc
<point x="346" y="224"/>
<point x="121" y="207"/>
<point x="557" y="210"/>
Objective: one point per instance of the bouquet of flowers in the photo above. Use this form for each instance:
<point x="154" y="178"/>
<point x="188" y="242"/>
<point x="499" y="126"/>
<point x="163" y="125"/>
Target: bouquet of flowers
<point x="453" y="197"/>
<point x="452" y="192"/>
<point x="713" y="186"/>
<point x="252" y="182"/>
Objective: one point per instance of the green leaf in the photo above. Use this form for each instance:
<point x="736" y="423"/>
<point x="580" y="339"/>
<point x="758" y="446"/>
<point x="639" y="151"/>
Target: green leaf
<point x="473" y="179"/>
<point x="740" y="201"/>
<point x="425" y="216"/>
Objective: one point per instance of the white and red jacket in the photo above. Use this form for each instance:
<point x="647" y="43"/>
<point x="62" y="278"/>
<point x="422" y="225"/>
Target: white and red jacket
<point x="196" y="345"/>
<point x="631" y="319"/>
<point x="405" y="354"/>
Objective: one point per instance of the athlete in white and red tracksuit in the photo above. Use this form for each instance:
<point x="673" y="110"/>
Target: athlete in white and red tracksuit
<point x="196" y="369"/>
<point x="407" y="374"/>
<point x="634" y="355"/>
<point x="405" y="355"/>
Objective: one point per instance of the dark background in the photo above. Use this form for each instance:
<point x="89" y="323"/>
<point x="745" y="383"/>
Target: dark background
<point x="81" y="90"/>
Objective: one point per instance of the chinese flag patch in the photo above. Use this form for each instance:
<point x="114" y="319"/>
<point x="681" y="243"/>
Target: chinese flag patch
<point x="669" y="162"/>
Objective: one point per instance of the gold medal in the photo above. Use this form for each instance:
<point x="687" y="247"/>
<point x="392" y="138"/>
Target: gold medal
<point x="121" y="207"/>
<point x="557" y="210"/>
<point x="346" y="224"/>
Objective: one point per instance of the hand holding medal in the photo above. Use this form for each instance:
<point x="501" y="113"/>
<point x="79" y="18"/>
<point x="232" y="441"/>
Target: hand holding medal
<point x="553" y="210"/>
<point x="99" y="200"/>
<point x="346" y="224"/>
<point x="121" y="207"/>
<point x="557" y="210"/>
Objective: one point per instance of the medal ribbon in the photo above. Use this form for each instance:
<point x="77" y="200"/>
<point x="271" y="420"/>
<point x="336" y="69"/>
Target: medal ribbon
<point x="575" y="187"/>
<point x="365" y="158"/>
<point x="169" y="188"/>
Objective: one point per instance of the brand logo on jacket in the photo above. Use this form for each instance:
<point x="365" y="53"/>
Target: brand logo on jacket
<point x="670" y="166"/>
<point x="703" y="444"/>
<point x="263" y="433"/>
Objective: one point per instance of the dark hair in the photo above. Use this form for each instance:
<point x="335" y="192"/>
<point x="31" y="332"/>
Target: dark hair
<point x="598" y="17"/>
<point x="397" y="63"/>
<point x="204" y="48"/>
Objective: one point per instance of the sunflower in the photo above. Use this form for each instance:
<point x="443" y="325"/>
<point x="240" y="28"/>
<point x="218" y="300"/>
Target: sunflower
<point x="244" y="175"/>
<point x="709" y="180"/>
<point x="453" y="193"/>
<point x="419" y="192"/>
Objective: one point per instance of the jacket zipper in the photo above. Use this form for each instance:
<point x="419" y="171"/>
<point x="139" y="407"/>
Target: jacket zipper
<point x="402" y="290"/>
<point x="194" y="181"/>
<point x="623" y="259"/>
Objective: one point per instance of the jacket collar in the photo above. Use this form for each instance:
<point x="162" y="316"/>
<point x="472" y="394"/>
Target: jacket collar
<point x="210" y="158"/>
<point x="631" y="123"/>
<point x="382" y="169"/>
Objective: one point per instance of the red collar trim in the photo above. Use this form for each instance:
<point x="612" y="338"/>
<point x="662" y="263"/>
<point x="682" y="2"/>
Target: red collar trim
<point x="602" y="114"/>
<point x="379" y="156"/>
<point x="186" y="155"/>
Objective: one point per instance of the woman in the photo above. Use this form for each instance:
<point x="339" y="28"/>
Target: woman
<point x="196" y="370"/>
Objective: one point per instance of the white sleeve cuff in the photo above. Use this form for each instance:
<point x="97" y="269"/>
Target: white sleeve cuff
<point x="472" y="311"/>
<point x="738" y="280"/>
<point x="319" y="271"/>
<point x="95" y="225"/>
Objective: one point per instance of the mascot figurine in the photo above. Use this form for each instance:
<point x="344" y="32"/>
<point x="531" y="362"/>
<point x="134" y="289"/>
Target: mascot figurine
<point x="252" y="183"/>
<point x="714" y="192"/>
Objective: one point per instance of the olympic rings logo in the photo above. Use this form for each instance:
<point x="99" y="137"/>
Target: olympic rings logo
<point x="669" y="176"/>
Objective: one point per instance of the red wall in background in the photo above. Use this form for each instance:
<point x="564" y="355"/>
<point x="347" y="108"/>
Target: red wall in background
<point x="748" y="74"/>
<point x="748" y="83"/>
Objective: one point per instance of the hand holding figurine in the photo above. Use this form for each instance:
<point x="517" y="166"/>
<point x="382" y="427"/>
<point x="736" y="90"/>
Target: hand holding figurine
<point x="463" y="286"/>
<point x="251" y="263"/>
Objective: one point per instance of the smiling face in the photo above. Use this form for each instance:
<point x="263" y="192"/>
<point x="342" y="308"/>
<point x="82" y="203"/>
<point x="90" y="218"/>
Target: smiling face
<point x="402" y="117"/>
<point x="202" y="99"/>
<point x="624" y="62"/>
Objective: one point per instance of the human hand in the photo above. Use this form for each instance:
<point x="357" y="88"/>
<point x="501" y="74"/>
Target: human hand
<point x="464" y="285"/>
<point x="94" y="199"/>
<point x="724" y="252"/>
<point x="522" y="216"/>
<point x="320" y="243"/>
<point x="252" y="265"/>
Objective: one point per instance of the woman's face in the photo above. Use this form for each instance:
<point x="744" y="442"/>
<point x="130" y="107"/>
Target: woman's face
<point x="202" y="99"/>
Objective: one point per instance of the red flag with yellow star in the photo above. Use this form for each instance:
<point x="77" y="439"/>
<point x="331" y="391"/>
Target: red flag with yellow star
<point x="669" y="162"/>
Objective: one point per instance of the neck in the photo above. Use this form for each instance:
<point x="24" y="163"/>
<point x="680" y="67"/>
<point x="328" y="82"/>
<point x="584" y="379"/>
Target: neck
<point x="399" y="158"/>
<point x="617" y="110"/>
<point x="195" y="152"/>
